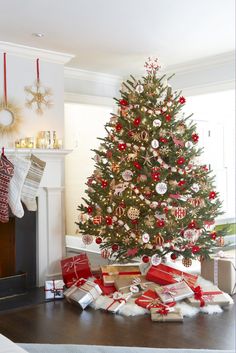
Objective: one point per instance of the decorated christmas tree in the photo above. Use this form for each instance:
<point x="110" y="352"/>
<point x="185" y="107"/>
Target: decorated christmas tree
<point x="149" y="196"/>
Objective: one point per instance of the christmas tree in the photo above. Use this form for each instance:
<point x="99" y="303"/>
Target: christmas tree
<point x="149" y="196"/>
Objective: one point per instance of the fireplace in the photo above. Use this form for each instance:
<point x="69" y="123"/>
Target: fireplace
<point x="37" y="241"/>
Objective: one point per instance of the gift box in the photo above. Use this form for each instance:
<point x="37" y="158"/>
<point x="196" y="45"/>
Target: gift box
<point x="110" y="272"/>
<point x="107" y="290"/>
<point x="166" y="313"/>
<point x="208" y="296"/>
<point x="136" y="285"/>
<point x="163" y="274"/>
<point x="149" y="299"/>
<point x="74" y="268"/>
<point x="174" y="292"/>
<point x="220" y="271"/>
<point x="114" y="302"/>
<point x="54" y="289"/>
<point x="83" y="293"/>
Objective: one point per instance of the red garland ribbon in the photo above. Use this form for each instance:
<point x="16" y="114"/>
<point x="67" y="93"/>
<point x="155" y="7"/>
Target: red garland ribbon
<point x="5" y="77"/>
<point x="37" y="69"/>
<point x="199" y="295"/>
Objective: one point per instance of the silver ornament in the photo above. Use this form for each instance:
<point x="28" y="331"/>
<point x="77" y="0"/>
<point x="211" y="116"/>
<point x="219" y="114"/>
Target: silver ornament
<point x="161" y="188"/>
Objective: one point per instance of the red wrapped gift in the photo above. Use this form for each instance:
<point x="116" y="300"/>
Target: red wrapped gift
<point x="105" y="289"/>
<point x="150" y="299"/>
<point x="74" y="268"/>
<point x="163" y="274"/>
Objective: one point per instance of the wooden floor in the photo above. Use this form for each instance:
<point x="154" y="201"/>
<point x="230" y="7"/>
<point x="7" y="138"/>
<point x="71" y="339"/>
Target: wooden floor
<point x="60" y="322"/>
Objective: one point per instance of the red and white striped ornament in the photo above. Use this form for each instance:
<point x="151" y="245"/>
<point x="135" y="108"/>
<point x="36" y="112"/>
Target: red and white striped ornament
<point x="97" y="220"/>
<point x="179" y="212"/>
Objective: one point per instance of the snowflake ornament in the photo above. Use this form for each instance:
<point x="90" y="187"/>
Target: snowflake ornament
<point x="152" y="66"/>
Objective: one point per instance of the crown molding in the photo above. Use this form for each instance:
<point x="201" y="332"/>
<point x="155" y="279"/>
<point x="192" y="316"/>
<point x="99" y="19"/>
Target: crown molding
<point x="208" y="88"/>
<point x="227" y="58"/>
<point x="31" y="52"/>
<point x="91" y="76"/>
<point x="70" y="97"/>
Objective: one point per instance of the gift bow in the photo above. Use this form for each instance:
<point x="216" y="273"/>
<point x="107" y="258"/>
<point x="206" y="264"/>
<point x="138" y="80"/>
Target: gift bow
<point x="137" y="282"/>
<point x="152" y="302"/>
<point x="169" y="291"/>
<point x="204" y="296"/>
<point x="72" y="264"/>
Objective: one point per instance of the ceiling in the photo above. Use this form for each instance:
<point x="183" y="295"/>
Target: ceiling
<point x="116" y="36"/>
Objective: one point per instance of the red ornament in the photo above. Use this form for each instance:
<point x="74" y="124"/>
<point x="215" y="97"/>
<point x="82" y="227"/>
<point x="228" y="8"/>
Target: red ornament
<point x="195" y="137"/>
<point x="180" y="160"/>
<point x="145" y="259"/>
<point x="122" y="146"/>
<point x="89" y="209"/>
<point x="160" y="223"/>
<point x="108" y="220"/>
<point x="104" y="183"/>
<point x="137" y="165"/>
<point x="173" y="256"/>
<point x="118" y="127"/>
<point x="98" y="240"/>
<point x="192" y="225"/>
<point x="195" y="249"/>
<point x="137" y="121"/>
<point x="181" y="182"/>
<point x="182" y="100"/>
<point x="168" y="117"/>
<point x="115" y="247"/>
<point x="212" y="195"/>
<point x="155" y="176"/>
<point x="134" y="221"/>
<point x="123" y="102"/>
<point x="163" y="140"/>
<point x="213" y="236"/>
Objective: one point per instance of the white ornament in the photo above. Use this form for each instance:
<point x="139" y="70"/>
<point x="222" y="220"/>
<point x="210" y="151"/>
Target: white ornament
<point x="114" y="218"/>
<point x="109" y="209"/>
<point x="145" y="237"/>
<point x="155" y="260"/>
<point x="127" y="175"/>
<point x="190" y="234"/>
<point x="195" y="187"/>
<point x="156" y="123"/>
<point x="164" y="109"/>
<point x="188" y="144"/>
<point x="155" y="143"/>
<point x="154" y="204"/>
<point x="134" y="289"/>
<point x="161" y="188"/>
<point x="169" y="104"/>
<point x="139" y="89"/>
<point x="120" y="222"/>
<point x="158" y="112"/>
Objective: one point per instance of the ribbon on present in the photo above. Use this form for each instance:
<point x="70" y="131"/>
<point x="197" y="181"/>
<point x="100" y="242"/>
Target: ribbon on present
<point x="87" y="286"/>
<point x="151" y="302"/>
<point x="117" y="298"/>
<point x="204" y="296"/>
<point x="55" y="291"/>
<point x="170" y="291"/>
<point x="68" y="266"/>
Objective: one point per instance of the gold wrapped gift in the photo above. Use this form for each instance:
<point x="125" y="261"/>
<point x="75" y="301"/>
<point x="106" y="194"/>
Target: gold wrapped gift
<point x="164" y="314"/>
<point x="112" y="272"/>
<point x="134" y="285"/>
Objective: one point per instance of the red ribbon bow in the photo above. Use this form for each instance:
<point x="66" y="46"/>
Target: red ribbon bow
<point x="198" y="295"/>
<point x="163" y="311"/>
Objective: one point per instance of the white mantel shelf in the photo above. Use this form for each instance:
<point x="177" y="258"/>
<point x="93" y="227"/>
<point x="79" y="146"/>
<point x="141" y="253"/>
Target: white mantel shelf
<point x="37" y="151"/>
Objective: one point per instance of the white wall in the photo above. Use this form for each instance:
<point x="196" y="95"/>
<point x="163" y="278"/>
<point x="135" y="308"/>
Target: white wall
<point x="83" y="124"/>
<point x="21" y="72"/>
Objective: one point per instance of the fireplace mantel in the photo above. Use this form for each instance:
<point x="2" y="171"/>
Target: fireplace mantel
<point x="50" y="230"/>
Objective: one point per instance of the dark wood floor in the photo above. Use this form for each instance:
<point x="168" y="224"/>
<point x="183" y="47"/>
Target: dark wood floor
<point x="60" y="322"/>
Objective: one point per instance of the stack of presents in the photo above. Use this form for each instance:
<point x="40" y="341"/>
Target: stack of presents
<point x="158" y="290"/>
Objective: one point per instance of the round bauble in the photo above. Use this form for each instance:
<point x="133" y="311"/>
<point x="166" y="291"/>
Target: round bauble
<point x="187" y="262"/>
<point x="161" y="188"/>
<point x="159" y="240"/>
<point x="173" y="256"/>
<point x="120" y="211"/>
<point x="195" y="187"/>
<point x="179" y="212"/>
<point x="133" y="213"/>
<point x="98" y="240"/>
<point x="156" y="123"/>
<point x="155" y="144"/>
<point x="188" y="144"/>
<point x="127" y="175"/>
<point x="190" y="234"/>
<point x="145" y="259"/>
<point x="139" y="88"/>
<point x="155" y="260"/>
<point x="145" y="238"/>
<point x="109" y="209"/>
<point x="115" y="247"/>
<point x="87" y="239"/>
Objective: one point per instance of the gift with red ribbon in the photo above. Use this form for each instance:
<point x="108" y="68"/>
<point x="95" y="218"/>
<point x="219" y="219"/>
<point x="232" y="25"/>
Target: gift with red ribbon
<point x="105" y="289"/>
<point x="208" y="296"/>
<point x="163" y="274"/>
<point x="110" y="272"/>
<point x="136" y="285"/>
<point x="83" y="292"/>
<point x="174" y="292"/>
<point x="150" y="299"/>
<point x="115" y="301"/>
<point x="74" y="268"/>
<point x="165" y="313"/>
<point x="54" y="289"/>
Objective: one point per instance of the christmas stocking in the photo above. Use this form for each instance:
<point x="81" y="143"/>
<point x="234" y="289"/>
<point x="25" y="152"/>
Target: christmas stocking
<point x="6" y="173"/>
<point x="21" y="168"/>
<point x="32" y="181"/>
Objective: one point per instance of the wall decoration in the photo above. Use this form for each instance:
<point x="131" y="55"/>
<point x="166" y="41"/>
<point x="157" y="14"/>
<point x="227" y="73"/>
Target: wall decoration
<point x="10" y="113"/>
<point x="38" y="96"/>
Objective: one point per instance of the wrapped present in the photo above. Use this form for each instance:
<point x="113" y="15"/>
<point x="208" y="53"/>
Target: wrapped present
<point x="174" y="292"/>
<point x="105" y="289"/>
<point x="221" y="271"/>
<point x="74" y="268"/>
<point x="165" y="313"/>
<point x="135" y="285"/>
<point x="54" y="289"/>
<point x="208" y="296"/>
<point x="163" y="274"/>
<point x="114" y="302"/>
<point x="110" y="272"/>
<point x="83" y="293"/>
<point x="150" y="299"/>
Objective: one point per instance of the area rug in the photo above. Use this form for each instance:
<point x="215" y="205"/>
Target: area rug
<point x="68" y="348"/>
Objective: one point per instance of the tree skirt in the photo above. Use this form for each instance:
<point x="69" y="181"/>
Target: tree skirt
<point x="132" y="309"/>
